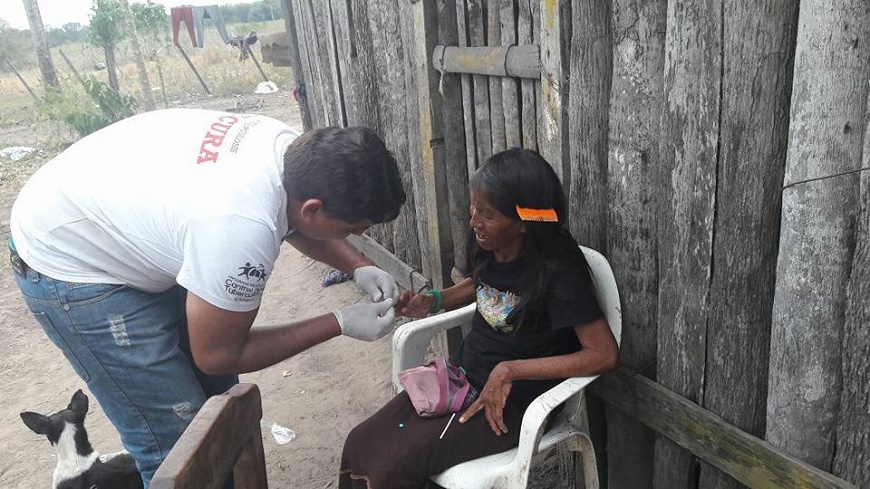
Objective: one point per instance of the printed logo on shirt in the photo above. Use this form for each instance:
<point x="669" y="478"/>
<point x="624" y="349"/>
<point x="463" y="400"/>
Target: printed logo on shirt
<point x="248" y="283"/>
<point x="495" y="306"/>
<point x="214" y="138"/>
<point x="252" y="272"/>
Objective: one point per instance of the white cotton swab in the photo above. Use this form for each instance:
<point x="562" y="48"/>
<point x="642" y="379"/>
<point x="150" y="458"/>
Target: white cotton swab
<point x="448" y="425"/>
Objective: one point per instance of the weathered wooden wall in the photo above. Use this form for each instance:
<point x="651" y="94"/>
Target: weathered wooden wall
<point x="702" y="146"/>
<point x="817" y="242"/>
<point x="357" y="62"/>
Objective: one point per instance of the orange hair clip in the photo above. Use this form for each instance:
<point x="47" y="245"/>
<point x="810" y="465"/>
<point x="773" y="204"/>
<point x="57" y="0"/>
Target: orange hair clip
<point x="540" y="215"/>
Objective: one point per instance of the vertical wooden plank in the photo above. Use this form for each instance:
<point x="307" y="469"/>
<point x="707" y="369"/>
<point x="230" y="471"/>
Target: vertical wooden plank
<point x="591" y="71"/>
<point x="552" y="133"/>
<point x="688" y="149"/>
<point x="434" y="182"/>
<point x="326" y="61"/>
<point x="415" y="140"/>
<point x="311" y="64"/>
<point x="525" y="35"/>
<point x="853" y="425"/>
<point x="752" y="151"/>
<point x="496" y="102"/>
<point x="345" y="71"/>
<point x="296" y="63"/>
<point x="510" y="85"/>
<point x="467" y="92"/>
<point x="456" y="199"/>
<point x="395" y="91"/>
<point x="431" y="131"/>
<point x="817" y="231"/>
<point x="589" y="65"/>
<point x="638" y="33"/>
<point x="308" y="91"/>
<point x="483" y="124"/>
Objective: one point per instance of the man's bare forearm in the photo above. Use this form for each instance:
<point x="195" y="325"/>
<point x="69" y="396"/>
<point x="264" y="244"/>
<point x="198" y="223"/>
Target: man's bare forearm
<point x="266" y="346"/>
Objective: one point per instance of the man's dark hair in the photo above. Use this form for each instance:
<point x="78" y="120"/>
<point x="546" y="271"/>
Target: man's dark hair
<point x="349" y="169"/>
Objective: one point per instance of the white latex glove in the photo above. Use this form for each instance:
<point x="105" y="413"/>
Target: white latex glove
<point x="378" y="284"/>
<point x="366" y="322"/>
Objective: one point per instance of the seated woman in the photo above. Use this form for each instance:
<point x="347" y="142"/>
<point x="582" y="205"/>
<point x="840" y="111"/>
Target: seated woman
<point x="537" y="323"/>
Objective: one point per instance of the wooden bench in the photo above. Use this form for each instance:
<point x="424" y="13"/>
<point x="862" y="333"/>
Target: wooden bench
<point x="223" y="437"/>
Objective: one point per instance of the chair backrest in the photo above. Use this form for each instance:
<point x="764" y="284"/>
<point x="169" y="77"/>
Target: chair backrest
<point x="607" y="295"/>
<point x="605" y="290"/>
<point x="223" y="437"/>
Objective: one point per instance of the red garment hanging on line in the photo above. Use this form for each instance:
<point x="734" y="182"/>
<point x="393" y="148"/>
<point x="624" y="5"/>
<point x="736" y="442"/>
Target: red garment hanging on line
<point x="183" y="14"/>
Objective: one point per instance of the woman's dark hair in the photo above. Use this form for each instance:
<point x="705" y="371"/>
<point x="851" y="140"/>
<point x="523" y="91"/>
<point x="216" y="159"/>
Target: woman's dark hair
<point x="349" y="169"/>
<point x="521" y="177"/>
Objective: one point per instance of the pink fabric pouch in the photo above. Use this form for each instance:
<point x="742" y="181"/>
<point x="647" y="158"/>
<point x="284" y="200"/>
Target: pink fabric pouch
<point x="437" y="388"/>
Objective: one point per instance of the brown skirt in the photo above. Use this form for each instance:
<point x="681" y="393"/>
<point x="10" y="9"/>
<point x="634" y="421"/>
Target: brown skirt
<point x="397" y="449"/>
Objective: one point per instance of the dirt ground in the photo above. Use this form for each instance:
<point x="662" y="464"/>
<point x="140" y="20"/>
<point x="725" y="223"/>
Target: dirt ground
<point x="320" y="394"/>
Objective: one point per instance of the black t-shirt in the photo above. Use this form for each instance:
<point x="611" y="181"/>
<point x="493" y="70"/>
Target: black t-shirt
<point x="547" y="328"/>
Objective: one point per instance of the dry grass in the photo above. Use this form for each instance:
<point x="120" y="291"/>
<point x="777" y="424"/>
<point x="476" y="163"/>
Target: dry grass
<point x="218" y="64"/>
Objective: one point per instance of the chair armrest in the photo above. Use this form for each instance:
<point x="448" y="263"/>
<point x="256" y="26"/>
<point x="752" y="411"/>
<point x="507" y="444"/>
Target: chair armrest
<point x="411" y="340"/>
<point x="534" y="419"/>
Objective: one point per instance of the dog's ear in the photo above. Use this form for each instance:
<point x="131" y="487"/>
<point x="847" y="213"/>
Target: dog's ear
<point x="38" y="423"/>
<point x="79" y="404"/>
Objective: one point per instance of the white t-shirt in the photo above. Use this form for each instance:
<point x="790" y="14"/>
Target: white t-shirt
<point x="185" y="196"/>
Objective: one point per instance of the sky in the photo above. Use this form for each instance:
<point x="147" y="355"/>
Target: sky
<point x="56" y="13"/>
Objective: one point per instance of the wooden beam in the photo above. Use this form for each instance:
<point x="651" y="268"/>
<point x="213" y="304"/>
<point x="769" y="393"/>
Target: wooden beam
<point x="23" y="82"/>
<point x="750" y="460"/>
<point x="71" y="67"/>
<point x="518" y="61"/>
<point x="192" y="68"/>
<point x="425" y="26"/>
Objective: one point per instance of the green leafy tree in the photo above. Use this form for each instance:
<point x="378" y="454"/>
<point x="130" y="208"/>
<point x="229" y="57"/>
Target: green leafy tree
<point x="106" y="31"/>
<point x="152" y="24"/>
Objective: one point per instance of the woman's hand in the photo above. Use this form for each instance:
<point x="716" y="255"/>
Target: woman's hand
<point x="414" y="305"/>
<point x="492" y="399"/>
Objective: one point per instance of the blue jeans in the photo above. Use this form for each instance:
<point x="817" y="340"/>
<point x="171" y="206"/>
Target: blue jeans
<point x="133" y="351"/>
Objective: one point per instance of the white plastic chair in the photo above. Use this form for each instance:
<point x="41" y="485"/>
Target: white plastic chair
<point x="510" y="469"/>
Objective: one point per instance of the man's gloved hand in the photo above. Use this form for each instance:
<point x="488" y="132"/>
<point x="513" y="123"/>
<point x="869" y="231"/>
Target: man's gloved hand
<point x="378" y="284"/>
<point x="366" y="322"/>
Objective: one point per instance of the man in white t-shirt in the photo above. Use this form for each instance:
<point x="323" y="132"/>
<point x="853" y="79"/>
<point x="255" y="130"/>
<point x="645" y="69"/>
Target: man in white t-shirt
<point x="143" y="251"/>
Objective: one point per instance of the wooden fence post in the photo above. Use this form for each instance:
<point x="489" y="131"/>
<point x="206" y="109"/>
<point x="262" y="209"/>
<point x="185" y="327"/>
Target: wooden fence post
<point x="456" y="199"/>
<point x="436" y="214"/>
<point x="192" y="68"/>
<point x="817" y="233"/>
<point x="482" y="117"/>
<point x="753" y="139"/>
<point x="638" y="32"/>
<point x="552" y="131"/>
<point x="290" y="24"/>
<point x="71" y="67"/>
<point x="853" y="445"/>
<point x="23" y="81"/>
<point x="687" y="196"/>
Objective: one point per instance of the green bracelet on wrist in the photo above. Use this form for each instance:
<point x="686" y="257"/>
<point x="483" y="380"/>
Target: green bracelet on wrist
<point x="439" y="299"/>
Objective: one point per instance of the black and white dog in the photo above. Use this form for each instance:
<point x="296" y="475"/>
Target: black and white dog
<point x="78" y="465"/>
